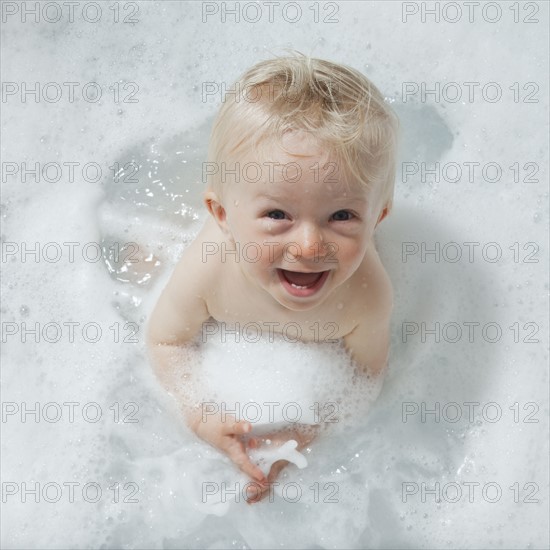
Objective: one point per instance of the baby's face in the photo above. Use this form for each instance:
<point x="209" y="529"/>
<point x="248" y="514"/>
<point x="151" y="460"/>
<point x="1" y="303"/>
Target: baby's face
<point x="300" y="232"/>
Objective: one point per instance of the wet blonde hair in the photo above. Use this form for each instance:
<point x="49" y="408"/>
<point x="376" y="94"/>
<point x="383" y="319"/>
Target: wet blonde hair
<point x="336" y="104"/>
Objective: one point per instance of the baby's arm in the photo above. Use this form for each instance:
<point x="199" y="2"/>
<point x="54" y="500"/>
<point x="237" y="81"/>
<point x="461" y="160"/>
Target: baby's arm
<point x="175" y="322"/>
<point x="173" y="327"/>
<point x="369" y="342"/>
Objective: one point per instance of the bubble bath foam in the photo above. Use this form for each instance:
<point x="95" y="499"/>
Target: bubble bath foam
<point x="453" y="451"/>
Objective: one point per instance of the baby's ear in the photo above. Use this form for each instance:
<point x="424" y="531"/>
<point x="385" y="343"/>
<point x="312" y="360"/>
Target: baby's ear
<point x="217" y="210"/>
<point x="214" y="205"/>
<point x="383" y="214"/>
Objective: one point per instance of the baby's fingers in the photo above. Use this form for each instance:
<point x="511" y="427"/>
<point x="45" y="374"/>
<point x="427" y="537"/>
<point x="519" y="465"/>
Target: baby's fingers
<point x="276" y="469"/>
<point x="236" y="453"/>
<point x="255" y="493"/>
<point x="239" y="427"/>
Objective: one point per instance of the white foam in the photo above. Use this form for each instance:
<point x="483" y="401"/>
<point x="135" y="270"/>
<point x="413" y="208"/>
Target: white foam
<point x="163" y="55"/>
<point x="275" y="382"/>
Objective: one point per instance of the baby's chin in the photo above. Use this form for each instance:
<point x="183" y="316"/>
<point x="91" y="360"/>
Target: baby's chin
<point x="297" y="304"/>
<point x="293" y="306"/>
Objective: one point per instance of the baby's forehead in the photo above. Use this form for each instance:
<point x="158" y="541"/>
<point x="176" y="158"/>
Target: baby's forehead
<point x="295" y="181"/>
<point x="291" y="146"/>
<point x="281" y="157"/>
<point x="296" y="157"/>
<point x="285" y="190"/>
<point x="301" y="143"/>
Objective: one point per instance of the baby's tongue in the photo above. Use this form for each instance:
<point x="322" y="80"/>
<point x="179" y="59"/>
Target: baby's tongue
<point x="302" y="279"/>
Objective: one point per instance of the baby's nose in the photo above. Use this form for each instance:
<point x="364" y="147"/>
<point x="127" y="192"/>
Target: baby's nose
<point x="309" y="243"/>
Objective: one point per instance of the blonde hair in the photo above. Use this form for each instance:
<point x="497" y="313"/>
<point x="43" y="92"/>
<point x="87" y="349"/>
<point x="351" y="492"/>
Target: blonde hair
<point x="336" y="104"/>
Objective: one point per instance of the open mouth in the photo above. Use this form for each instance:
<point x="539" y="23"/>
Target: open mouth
<point x="302" y="284"/>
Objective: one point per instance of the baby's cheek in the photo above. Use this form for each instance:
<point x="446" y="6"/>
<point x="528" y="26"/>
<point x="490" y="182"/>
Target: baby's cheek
<point x="270" y="253"/>
<point x="351" y="256"/>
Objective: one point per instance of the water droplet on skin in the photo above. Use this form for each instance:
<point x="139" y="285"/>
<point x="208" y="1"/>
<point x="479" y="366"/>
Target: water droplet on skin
<point x="339" y="305"/>
<point x="236" y="203"/>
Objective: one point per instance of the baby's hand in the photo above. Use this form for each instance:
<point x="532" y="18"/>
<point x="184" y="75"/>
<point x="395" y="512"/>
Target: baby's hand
<point x="227" y="436"/>
<point x="302" y="436"/>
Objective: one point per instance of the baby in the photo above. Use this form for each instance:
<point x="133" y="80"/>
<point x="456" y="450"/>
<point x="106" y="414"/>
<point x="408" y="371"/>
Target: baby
<point x="300" y="172"/>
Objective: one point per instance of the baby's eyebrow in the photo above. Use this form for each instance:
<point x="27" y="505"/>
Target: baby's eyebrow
<point x="278" y="194"/>
<point x="340" y="198"/>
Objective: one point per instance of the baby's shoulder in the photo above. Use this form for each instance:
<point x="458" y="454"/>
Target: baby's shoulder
<point x="373" y="282"/>
<point x="193" y="267"/>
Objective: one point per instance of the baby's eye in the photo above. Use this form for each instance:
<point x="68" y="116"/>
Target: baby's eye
<point x="342" y="215"/>
<point x="276" y="214"/>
